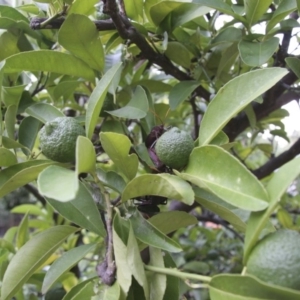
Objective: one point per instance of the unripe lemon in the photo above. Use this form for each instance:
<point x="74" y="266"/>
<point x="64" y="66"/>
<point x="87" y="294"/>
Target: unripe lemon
<point x="174" y="147"/>
<point x="276" y="259"/>
<point x="58" y="139"/>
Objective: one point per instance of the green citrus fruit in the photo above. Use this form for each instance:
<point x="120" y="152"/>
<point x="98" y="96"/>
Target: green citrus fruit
<point x="174" y="147"/>
<point x="58" y="139"/>
<point x="276" y="259"/>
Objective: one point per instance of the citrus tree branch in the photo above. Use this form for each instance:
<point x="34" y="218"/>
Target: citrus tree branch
<point x="278" y="161"/>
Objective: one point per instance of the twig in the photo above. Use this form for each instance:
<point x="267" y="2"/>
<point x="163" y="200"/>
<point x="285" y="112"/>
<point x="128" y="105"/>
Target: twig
<point x="107" y="269"/>
<point x="278" y="161"/>
<point x="36" y="24"/>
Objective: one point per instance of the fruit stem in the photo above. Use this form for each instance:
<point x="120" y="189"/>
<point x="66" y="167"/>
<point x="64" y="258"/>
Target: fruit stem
<point x="177" y="273"/>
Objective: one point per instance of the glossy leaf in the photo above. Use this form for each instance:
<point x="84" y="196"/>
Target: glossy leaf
<point x="83" y="7"/>
<point x="283" y="9"/>
<point x="164" y="185"/>
<point x="255" y="9"/>
<point x="28" y="131"/>
<point x="112" y="292"/>
<point x="58" y="183"/>
<point x="18" y="175"/>
<point x="7" y="158"/>
<point x="136" y="108"/>
<point x="294" y="64"/>
<point x="224" y="175"/>
<point x="10" y="143"/>
<point x="181" y="91"/>
<point x="158" y="282"/>
<point x="241" y="287"/>
<point x="220" y="207"/>
<point x="277" y="185"/>
<point x="48" y="61"/>
<point x="257" y="53"/>
<point x="80" y="36"/>
<point x="87" y="291"/>
<point x="112" y="179"/>
<point x="135" y="262"/>
<point x="97" y="98"/>
<point x="82" y="210"/>
<point x="235" y="96"/>
<point x="134" y="9"/>
<point x="44" y="112"/>
<point x="23" y="232"/>
<point x="77" y="288"/>
<point x="85" y="156"/>
<point x="31" y="257"/>
<point x="9" y="119"/>
<point x="179" y="54"/>
<point x="65" y="263"/>
<point x="117" y="147"/>
<point x="170" y="221"/>
<point x="120" y="251"/>
<point x="150" y="235"/>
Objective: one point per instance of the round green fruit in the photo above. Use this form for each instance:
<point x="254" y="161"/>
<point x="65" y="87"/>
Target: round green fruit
<point x="174" y="147"/>
<point x="58" y="139"/>
<point x="276" y="259"/>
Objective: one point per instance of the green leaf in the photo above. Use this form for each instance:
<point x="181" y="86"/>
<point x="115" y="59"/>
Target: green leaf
<point x="283" y="9"/>
<point x="85" y="156"/>
<point x="220" y="207"/>
<point x="257" y="53"/>
<point x="23" y="232"/>
<point x="76" y="289"/>
<point x="120" y="251"/>
<point x="97" y="98"/>
<point x="79" y="35"/>
<point x="229" y="56"/>
<point x="117" y="147"/>
<point x="10" y="143"/>
<point x="179" y="54"/>
<point x="158" y="282"/>
<point x="83" y="7"/>
<point x="150" y="235"/>
<point x="64" y="264"/>
<point x="82" y="210"/>
<point x="181" y="91"/>
<point x="241" y="287"/>
<point x="134" y="9"/>
<point x="7" y="158"/>
<point x="170" y="221"/>
<point x="58" y="183"/>
<point x="111" y="292"/>
<point x="28" y="131"/>
<point x="294" y="64"/>
<point x="173" y="283"/>
<point x="87" y="291"/>
<point x="44" y="112"/>
<point x="31" y="257"/>
<point x="164" y="185"/>
<point x="235" y="96"/>
<point x="224" y="175"/>
<point x="277" y="185"/>
<point x="255" y="9"/>
<point x="48" y="61"/>
<point x="135" y="262"/>
<point x="136" y="108"/>
<point x="18" y="175"/>
<point x="9" y="118"/>
<point x="112" y="179"/>
<point x="31" y="209"/>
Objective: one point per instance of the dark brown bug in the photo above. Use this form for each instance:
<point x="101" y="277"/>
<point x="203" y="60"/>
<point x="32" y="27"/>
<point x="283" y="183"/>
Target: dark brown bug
<point x="149" y="204"/>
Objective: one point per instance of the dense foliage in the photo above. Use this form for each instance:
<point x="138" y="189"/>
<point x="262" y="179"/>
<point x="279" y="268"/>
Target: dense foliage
<point x="118" y="223"/>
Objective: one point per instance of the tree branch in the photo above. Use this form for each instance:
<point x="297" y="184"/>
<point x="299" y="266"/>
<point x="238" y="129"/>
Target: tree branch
<point x="36" y="24"/>
<point x="278" y="161"/>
